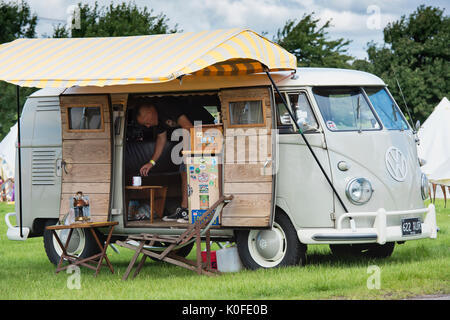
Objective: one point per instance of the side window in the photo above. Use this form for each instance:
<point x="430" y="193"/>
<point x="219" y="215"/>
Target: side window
<point x="246" y="113"/>
<point x="302" y="112"/>
<point x="284" y="121"/>
<point x="85" y="118"/>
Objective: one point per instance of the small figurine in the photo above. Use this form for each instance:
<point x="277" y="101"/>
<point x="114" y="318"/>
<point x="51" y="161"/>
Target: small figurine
<point x="79" y="203"/>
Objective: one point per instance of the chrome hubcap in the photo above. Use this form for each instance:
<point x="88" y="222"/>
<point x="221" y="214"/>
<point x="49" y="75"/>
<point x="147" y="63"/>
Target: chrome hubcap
<point x="267" y="247"/>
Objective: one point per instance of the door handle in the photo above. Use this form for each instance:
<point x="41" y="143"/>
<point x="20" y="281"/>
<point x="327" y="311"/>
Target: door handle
<point x="266" y="163"/>
<point x="64" y="166"/>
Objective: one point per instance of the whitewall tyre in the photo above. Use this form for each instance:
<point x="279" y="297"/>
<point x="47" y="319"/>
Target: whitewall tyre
<point x="271" y="248"/>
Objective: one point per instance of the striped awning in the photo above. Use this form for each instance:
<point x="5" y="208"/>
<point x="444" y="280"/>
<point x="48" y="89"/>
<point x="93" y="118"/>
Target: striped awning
<point x="139" y="59"/>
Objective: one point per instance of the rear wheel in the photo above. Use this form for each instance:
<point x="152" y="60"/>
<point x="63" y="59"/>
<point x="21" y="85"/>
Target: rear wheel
<point x="271" y="248"/>
<point x="82" y="243"/>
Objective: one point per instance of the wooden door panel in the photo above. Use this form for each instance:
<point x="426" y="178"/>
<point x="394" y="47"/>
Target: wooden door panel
<point x="242" y="172"/>
<point x="248" y="162"/>
<point x="87" y="154"/>
<point x="87" y="172"/>
<point x="75" y="152"/>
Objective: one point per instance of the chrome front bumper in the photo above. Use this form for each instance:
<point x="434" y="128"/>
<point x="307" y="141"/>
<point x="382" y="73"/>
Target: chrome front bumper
<point x="378" y="233"/>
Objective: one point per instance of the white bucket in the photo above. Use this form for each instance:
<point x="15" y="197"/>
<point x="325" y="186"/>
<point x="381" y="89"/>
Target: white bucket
<point x="228" y="260"/>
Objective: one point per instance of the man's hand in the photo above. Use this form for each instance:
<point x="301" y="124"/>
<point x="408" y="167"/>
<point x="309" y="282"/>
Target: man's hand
<point x="145" y="169"/>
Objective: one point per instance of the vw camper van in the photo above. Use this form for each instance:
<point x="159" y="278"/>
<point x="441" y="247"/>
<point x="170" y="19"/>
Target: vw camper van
<point x="310" y="155"/>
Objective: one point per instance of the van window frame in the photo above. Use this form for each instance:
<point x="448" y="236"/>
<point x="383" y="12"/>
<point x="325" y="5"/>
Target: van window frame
<point x="91" y="105"/>
<point x="286" y="94"/>
<point x="363" y="93"/>
<point x="263" y="109"/>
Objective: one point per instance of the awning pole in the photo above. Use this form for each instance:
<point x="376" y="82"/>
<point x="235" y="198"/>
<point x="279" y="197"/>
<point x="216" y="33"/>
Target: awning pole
<point x="19" y="154"/>
<point x="306" y="141"/>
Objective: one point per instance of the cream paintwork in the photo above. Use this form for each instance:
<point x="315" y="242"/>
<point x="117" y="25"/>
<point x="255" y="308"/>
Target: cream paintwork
<point x="302" y="191"/>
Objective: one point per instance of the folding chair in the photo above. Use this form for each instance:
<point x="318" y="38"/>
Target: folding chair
<point x="145" y="244"/>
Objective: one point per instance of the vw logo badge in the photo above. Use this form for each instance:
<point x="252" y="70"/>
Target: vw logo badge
<point x="396" y="164"/>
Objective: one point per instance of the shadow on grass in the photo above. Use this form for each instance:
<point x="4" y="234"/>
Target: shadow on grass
<point x="413" y="254"/>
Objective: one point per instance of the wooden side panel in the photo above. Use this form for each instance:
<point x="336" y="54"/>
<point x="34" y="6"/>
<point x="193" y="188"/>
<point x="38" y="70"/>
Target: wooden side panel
<point x="252" y="210"/>
<point x="248" y="163"/>
<point x="75" y="152"/>
<point x="87" y="172"/>
<point x="88" y="158"/>
<point x="242" y="172"/>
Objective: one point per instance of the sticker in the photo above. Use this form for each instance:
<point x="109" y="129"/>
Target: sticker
<point x="202" y="160"/>
<point x="211" y="183"/>
<point x="331" y="125"/>
<point x="213" y="161"/>
<point x="198" y="214"/>
<point x="193" y="177"/>
<point x="212" y="169"/>
<point x="203" y="188"/>
<point x="204" y="201"/>
<point x="203" y="177"/>
<point x="202" y="167"/>
<point x="213" y="177"/>
<point x="197" y="170"/>
<point x="191" y="169"/>
<point x="189" y="191"/>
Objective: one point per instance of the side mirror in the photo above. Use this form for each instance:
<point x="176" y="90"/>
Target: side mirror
<point x="417" y="125"/>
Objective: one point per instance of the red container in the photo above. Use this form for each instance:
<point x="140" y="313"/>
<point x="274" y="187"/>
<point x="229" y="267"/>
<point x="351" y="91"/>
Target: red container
<point x="213" y="259"/>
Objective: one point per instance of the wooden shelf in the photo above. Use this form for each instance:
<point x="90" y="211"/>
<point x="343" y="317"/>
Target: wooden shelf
<point x="143" y="187"/>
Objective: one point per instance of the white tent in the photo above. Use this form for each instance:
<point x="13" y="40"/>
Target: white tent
<point x="434" y="146"/>
<point x="8" y="154"/>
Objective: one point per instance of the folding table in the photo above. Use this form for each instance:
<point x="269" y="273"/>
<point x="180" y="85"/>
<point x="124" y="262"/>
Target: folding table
<point x="97" y="259"/>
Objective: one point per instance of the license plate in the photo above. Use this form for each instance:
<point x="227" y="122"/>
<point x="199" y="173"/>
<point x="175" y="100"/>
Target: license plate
<point x="411" y="226"/>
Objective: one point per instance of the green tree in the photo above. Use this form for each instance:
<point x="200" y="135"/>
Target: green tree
<point x="311" y="44"/>
<point x="124" y="19"/>
<point x="416" y="53"/>
<point x="16" y="21"/>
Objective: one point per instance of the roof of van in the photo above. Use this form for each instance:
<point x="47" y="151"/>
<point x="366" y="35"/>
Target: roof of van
<point x="302" y="77"/>
<point x="331" y="77"/>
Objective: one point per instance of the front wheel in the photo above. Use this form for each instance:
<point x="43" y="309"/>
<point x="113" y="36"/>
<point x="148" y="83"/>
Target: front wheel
<point x="82" y="244"/>
<point x="271" y="248"/>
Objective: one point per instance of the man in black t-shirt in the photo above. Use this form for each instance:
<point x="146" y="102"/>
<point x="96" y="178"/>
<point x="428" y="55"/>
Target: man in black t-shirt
<point x="163" y="120"/>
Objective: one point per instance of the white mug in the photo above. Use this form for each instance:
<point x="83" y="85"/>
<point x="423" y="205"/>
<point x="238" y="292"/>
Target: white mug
<point x="137" y="181"/>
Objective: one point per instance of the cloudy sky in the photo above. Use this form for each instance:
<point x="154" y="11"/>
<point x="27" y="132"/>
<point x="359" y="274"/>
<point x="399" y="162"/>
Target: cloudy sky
<point x="358" y="20"/>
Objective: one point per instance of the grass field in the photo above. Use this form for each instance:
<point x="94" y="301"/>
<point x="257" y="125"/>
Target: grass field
<point x="415" y="268"/>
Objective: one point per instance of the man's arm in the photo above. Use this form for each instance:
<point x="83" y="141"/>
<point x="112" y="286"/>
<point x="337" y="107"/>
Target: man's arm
<point x="184" y="122"/>
<point x="160" y="143"/>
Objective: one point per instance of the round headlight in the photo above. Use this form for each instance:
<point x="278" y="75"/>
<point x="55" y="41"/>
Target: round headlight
<point x="359" y="191"/>
<point x="425" y="187"/>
